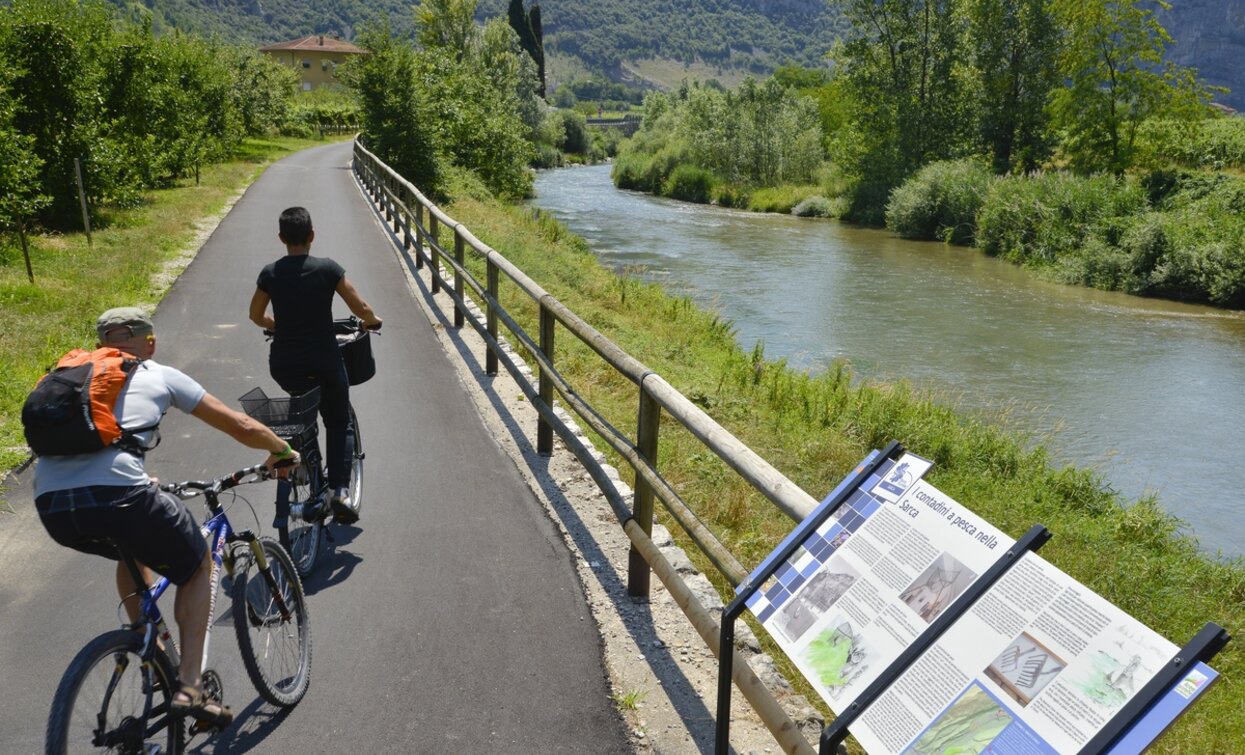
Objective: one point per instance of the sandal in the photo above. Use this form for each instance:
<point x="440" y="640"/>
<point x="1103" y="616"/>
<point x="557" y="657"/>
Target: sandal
<point x="200" y="707"/>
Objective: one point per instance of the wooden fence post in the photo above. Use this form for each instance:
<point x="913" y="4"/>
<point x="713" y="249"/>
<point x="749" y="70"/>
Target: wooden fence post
<point x="544" y="430"/>
<point x="419" y="236"/>
<point x="490" y="359"/>
<point x="647" y="428"/>
<point x="460" y="257"/>
<point x="434" y="253"/>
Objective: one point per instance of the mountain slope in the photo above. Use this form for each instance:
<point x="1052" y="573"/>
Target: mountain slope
<point x="606" y="35"/>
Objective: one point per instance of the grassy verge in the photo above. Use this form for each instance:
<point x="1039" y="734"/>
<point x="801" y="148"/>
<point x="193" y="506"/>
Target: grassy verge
<point x="74" y="282"/>
<point x="815" y="428"/>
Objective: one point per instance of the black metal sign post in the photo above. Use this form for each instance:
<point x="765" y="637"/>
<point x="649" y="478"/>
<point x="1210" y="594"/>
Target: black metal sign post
<point x="726" y="645"/>
<point x="1202" y="648"/>
<point x="834" y="734"/>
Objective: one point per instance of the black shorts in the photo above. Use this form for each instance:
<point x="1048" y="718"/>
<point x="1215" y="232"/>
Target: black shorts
<point x="152" y="526"/>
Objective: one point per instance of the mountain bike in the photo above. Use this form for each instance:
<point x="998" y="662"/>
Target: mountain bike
<point x="116" y="694"/>
<point x="302" y="505"/>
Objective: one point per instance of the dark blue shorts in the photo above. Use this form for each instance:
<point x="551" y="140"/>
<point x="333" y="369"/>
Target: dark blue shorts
<point x="152" y="526"/>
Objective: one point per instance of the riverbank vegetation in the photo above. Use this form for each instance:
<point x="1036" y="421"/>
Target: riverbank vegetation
<point x="815" y="428"/>
<point x="1054" y="134"/>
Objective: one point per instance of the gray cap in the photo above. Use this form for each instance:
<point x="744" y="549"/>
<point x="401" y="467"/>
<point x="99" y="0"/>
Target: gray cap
<point x="134" y="320"/>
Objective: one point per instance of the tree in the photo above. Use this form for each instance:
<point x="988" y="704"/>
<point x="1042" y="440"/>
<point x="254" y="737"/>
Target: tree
<point x="909" y="87"/>
<point x="486" y="108"/>
<point x="1014" y="43"/>
<point x="20" y="199"/>
<point x="1113" y="60"/>
<point x="394" y="108"/>
<point x="527" y="26"/>
<point x="446" y="25"/>
<point x="539" y="32"/>
<point x="54" y="48"/>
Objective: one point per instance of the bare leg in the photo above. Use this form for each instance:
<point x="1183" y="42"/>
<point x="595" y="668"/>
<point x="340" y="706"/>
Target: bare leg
<point x="127" y="589"/>
<point x="191" y="611"/>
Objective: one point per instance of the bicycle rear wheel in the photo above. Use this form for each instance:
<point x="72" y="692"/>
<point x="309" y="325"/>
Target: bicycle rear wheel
<point x="356" y="464"/>
<point x="101" y="704"/>
<point x="270" y="618"/>
<point x="302" y="532"/>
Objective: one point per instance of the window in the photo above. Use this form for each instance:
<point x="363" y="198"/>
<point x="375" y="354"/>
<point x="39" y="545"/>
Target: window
<point x="306" y="63"/>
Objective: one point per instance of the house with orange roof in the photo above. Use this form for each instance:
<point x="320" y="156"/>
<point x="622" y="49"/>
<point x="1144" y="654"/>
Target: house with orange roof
<point x="316" y="57"/>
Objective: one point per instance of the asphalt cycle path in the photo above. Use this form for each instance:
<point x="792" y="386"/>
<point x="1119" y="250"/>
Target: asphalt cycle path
<point x="450" y="620"/>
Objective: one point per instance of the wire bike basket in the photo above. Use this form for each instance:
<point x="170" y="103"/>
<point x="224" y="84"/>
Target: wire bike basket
<point x="293" y="418"/>
<point x="355" y="343"/>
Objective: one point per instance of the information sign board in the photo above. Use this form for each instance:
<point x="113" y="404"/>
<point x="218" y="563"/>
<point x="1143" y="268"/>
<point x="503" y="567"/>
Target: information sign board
<point x="1038" y="664"/>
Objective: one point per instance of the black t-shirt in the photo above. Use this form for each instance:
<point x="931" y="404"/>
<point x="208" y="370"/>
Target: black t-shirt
<point x="301" y="288"/>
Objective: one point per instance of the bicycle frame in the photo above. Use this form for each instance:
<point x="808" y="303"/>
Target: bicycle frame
<point x="219" y="533"/>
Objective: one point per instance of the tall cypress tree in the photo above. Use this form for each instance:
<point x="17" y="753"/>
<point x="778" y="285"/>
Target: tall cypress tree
<point x="538" y="34"/>
<point x="531" y="37"/>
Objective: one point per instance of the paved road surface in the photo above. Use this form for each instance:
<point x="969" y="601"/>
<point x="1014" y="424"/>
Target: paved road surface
<point x="451" y="619"/>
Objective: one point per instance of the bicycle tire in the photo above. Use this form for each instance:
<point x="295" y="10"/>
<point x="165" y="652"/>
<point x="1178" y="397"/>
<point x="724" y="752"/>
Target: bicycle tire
<point x="280" y="673"/>
<point x="113" y="660"/>
<point x="302" y="539"/>
<point x="356" y="464"/>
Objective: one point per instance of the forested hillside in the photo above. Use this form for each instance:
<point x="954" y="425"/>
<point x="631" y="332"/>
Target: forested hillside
<point x="265" y="21"/>
<point x="739" y="35"/>
<point x="756" y="35"/>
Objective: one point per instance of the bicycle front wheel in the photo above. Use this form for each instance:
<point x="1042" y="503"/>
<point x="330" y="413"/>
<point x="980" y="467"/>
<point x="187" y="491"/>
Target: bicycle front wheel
<point x="356" y="464"/>
<point x="302" y="532"/>
<point x="102" y="703"/>
<point x="270" y="618"/>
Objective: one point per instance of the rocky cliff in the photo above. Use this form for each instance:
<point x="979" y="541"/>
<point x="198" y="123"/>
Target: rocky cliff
<point x="1210" y="36"/>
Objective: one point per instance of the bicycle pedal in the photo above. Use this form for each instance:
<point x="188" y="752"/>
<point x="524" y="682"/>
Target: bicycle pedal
<point x="203" y="727"/>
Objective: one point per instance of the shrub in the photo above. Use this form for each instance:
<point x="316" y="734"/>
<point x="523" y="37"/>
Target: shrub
<point x="779" y="198"/>
<point x="690" y="184"/>
<point x="574" y="132"/>
<point x="730" y="195"/>
<point x="1041" y="217"/>
<point x="814" y="207"/>
<point x="628" y="170"/>
<point x="940" y="202"/>
<point x="547" y="156"/>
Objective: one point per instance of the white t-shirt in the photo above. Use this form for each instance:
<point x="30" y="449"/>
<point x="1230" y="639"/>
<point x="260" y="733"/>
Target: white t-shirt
<point x="151" y="390"/>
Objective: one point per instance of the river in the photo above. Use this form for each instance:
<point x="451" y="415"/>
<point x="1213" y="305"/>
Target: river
<point x="1146" y="392"/>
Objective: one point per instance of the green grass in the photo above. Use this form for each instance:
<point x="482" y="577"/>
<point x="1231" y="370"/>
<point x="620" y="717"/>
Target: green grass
<point x="816" y="428"/>
<point x="628" y="700"/>
<point x="74" y="282"/>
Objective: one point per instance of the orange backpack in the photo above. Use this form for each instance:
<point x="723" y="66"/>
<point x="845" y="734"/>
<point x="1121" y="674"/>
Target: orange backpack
<point x="70" y="411"/>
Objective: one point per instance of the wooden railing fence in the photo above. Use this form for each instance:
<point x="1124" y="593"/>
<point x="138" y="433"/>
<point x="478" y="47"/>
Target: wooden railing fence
<point x="421" y="225"/>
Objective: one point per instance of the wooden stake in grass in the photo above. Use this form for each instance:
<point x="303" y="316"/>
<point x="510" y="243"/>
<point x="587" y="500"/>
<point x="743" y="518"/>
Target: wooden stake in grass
<point x="21" y="233"/>
<point x="86" y="217"/>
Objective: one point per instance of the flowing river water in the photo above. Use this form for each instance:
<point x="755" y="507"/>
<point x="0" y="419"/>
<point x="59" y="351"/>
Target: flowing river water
<point x="1148" y="393"/>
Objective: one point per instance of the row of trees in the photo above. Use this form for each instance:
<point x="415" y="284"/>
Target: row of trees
<point x="757" y="135"/>
<point x="137" y="111"/>
<point x="1022" y="81"/>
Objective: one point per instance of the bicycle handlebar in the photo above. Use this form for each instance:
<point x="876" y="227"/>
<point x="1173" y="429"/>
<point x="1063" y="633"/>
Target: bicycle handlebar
<point x="352" y="322"/>
<point x="192" y="488"/>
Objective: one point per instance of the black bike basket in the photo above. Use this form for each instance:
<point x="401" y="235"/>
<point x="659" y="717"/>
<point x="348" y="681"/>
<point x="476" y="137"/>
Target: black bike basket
<point x="292" y="418"/>
<point x="356" y="347"/>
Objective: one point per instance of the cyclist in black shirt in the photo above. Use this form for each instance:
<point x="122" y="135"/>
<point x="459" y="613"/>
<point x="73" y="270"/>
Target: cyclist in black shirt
<point x="304" y="350"/>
